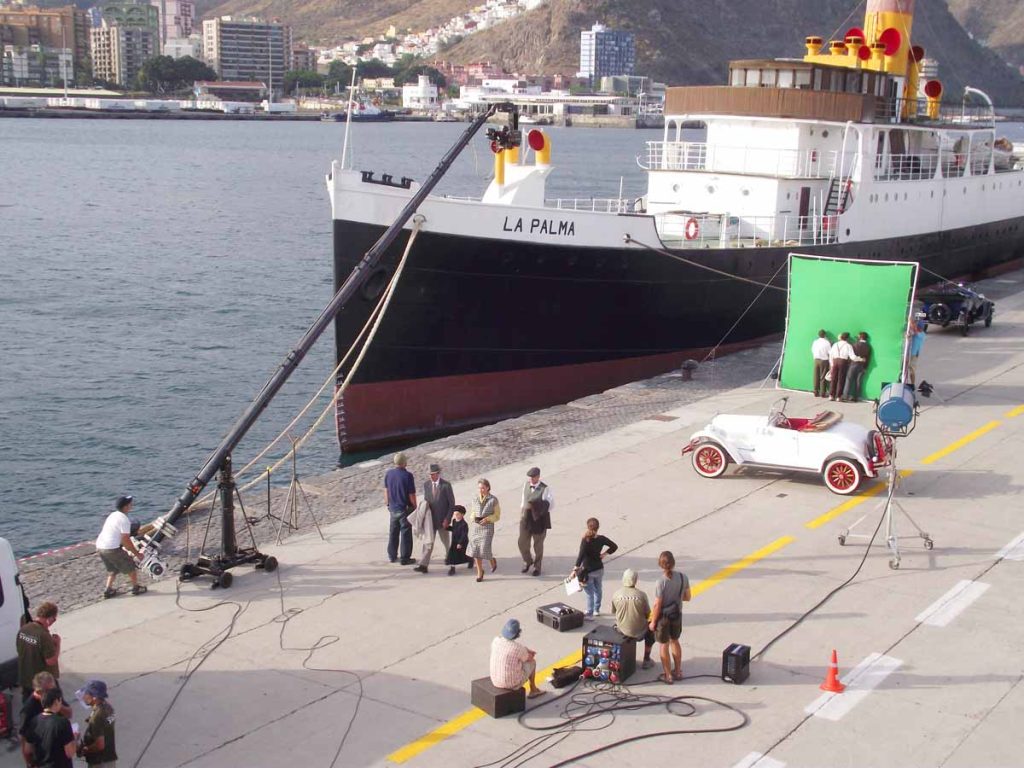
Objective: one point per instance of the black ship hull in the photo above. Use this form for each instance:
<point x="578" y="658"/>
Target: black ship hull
<point x="481" y="329"/>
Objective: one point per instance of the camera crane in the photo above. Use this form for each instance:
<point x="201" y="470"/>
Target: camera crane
<point x="219" y="460"/>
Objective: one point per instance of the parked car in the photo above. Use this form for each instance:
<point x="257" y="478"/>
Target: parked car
<point x="841" y="452"/>
<point x="956" y="304"/>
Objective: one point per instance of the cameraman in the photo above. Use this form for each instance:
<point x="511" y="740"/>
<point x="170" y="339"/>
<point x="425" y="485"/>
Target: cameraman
<point x="113" y="546"/>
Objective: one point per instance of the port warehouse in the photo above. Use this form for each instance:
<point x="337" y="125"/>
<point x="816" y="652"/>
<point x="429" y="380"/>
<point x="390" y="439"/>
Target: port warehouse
<point x="206" y="99"/>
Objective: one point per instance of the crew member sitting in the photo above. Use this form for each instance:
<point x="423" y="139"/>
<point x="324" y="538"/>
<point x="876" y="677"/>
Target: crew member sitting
<point x="632" y="611"/>
<point x="512" y="663"/>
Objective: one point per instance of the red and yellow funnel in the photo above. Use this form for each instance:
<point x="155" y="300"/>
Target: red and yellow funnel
<point x="883" y="45"/>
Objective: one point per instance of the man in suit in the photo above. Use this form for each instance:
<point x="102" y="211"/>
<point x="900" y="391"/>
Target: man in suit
<point x="535" y="520"/>
<point x="440" y="498"/>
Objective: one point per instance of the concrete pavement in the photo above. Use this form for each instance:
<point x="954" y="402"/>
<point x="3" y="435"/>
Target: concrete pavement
<point x="278" y="668"/>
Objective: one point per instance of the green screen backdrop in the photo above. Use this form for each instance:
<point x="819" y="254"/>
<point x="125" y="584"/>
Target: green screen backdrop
<point x="842" y="295"/>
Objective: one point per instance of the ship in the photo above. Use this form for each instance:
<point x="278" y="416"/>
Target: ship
<point x="362" y="113"/>
<point x="510" y="302"/>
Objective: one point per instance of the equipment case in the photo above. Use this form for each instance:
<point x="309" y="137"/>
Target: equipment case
<point x="560" y="617"/>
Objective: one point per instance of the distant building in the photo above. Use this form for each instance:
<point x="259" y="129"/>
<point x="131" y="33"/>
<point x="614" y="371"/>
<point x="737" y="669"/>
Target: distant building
<point x="230" y="90"/>
<point x="176" y="25"/>
<point x="248" y="50"/>
<point x="47" y="32"/>
<point x="118" y="52"/>
<point x="303" y="59"/>
<point x="422" y="95"/>
<point x="606" y="53"/>
<point x="34" y="65"/>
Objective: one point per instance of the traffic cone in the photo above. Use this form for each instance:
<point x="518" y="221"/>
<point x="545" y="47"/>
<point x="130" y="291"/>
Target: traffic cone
<point x="832" y="684"/>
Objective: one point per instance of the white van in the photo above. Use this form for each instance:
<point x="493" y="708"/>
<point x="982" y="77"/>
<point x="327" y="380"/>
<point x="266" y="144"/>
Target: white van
<point x="13" y="609"/>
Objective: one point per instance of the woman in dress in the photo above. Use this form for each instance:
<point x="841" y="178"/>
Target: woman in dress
<point x="486" y="513"/>
<point x="590" y="565"/>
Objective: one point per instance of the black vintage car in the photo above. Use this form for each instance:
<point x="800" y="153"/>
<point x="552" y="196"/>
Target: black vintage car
<point x="956" y="304"/>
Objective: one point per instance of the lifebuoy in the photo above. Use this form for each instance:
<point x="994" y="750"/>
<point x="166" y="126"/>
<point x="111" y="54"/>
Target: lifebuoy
<point x="692" y="229"/>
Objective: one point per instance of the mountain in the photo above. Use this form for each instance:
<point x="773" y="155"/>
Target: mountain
<point x="678" y="41"/>
<point x="999" y="24"/>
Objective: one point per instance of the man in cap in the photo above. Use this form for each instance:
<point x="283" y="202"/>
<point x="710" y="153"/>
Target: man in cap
<point x="512" y="663"/>
<point x="632" y="611"/>
<point x="97" y="746"/>
<point x="111" y="545"/>
<point x="400" y="496"/>
<point x="38" y="649"/>
<point x="535" y="520"/>
<point x="440" y="498"/>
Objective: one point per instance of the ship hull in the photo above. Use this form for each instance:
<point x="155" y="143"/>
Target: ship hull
<point x="481" y="329"/>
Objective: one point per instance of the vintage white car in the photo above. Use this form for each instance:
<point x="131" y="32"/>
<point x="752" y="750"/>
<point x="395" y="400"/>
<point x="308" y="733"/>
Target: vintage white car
<point x="842" y="453"/>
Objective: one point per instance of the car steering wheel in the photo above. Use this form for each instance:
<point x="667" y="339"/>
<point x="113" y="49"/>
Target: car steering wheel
<point x="777" y="414"/>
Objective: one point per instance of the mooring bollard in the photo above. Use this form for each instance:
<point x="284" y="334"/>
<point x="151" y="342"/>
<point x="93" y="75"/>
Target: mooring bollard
<point x="688" y="367"/>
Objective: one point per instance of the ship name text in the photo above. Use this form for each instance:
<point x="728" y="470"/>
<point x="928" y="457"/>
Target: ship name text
<point x="540" y="226"/>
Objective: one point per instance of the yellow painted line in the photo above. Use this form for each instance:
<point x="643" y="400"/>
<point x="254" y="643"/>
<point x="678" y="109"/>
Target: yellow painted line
<point x="955" y="446"/>
<point x="470" y="716"/>
<point x="849" y="504"/>
<point x="1015" y="412"/>
<point x="739" y="565"/>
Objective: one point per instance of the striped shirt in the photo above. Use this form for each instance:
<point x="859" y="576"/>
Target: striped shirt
<point x="507" y="658"/>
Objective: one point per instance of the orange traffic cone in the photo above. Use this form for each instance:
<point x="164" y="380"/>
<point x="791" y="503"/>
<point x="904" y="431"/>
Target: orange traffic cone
<point x="832" y="684"/>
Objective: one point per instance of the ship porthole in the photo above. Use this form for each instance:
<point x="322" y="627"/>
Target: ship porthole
<point x="375" y="285"/>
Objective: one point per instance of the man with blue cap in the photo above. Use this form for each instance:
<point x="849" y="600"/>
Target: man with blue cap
<point x="512" y="663"/>
<point x="97" y="746"/>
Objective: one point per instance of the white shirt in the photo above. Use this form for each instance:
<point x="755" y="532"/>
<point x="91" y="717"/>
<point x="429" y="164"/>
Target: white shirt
<point x="117" y="523"/>
<point x="820" y="349"/>
<point x="546" y="496"/>
<point x="843" y="350"/>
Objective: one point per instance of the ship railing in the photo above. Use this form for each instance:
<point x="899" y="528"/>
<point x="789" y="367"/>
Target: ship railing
<point x="685" y="230"/>
<point x="907" y="167"/>
<point x="717" y="158"/>
<point x="916" y="110"/>
<point x="595" y="204"/>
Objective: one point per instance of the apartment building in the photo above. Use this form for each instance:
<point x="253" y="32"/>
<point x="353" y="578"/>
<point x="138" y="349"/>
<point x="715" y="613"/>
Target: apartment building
<point x="252" y="50"/>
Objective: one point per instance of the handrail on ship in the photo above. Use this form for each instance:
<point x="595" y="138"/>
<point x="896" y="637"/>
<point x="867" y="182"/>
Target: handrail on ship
<point x="687" y="230"/>
<point x="717" y="158"/>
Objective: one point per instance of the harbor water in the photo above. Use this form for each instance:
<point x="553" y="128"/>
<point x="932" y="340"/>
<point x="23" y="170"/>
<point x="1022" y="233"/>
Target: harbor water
<point x="154" y="273"/>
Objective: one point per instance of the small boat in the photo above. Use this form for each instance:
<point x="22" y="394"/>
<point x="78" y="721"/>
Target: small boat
<point x="534" y="120"/>
<point x="361" y="113"/>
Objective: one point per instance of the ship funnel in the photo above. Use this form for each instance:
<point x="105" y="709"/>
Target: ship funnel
<point x="889" y="22"/>
<point x="910" y="103"/>
<point x="933" y="91"/>
<point x="814" y="45"/>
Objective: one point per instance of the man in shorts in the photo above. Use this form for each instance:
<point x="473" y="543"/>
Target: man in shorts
<point x="667" y="617"/>
<point x="111" y="546"/>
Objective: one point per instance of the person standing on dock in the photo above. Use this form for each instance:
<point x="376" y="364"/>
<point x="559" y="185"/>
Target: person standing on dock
<point x="98" y="746"/>
<point x="38" y="649"/>
<point x="400" y="496"/>
<point x="841" y="355"/>
<point x="672" y="591"/>
<point x="486" y="512"/>
<point x="440" y="498"/>
<point x="535" y="520"/>
<point x="917" y="334"/>
<point x="590" y="565"/>
<point x="859" y="363"/>
<point x="819" y="352"/>
<point x="113" y="545"/>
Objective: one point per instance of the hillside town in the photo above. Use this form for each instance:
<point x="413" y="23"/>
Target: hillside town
<point x="120" y="54"/>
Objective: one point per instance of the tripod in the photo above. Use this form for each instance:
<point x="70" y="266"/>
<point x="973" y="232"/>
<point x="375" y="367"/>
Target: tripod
<point x="290" y="514"/>
<point x="889" y="504"/>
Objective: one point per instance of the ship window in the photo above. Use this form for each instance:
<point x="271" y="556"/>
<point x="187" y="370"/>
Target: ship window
<point x="737" y="77"/>
<point x="852" y="82"/>
<point x="817" y="79"/>
<point x="803" y="78"/>
<point x="785" y="78"/>
<point x="753" y="77"/>
<point x="768" y="77"/>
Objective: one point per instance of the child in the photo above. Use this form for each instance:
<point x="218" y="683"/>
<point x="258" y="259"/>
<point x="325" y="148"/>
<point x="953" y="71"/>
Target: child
<point x="460" y="538"/>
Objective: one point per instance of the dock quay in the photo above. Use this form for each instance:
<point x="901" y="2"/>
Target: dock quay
<point x="340" y="658"/>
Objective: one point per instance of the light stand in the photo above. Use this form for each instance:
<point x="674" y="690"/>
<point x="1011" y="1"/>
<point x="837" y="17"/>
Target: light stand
<point x="889" y="504"/>
<point x="218" y="566"/>
<point x="290" y="515"/>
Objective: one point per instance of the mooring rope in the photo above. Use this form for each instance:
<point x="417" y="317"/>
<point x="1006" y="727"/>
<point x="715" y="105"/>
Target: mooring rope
<point x="677" y="257"/>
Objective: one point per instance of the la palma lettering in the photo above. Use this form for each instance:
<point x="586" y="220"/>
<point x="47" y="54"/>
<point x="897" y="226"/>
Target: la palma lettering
<point x="542" y="227"/>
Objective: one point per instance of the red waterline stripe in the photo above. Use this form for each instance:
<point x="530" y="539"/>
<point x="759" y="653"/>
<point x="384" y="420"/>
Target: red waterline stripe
<point x="54" y="551"/>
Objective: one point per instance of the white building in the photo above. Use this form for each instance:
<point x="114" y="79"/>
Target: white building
<point x="422" y="95"/>
<point x="176" y="24"/>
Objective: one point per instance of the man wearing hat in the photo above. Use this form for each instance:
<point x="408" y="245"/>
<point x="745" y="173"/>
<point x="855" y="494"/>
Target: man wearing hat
<point x="440" y="498"/>
<point x="400" y="496"/>
<point x="114" y="539"/>
<point x="97" y="745"/>
<point x="512" y="663"/>
<point x="535" y="520"/>
<point x="632" y="611"/>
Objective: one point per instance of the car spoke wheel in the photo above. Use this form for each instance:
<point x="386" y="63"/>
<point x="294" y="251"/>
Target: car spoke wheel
<point x="842" y="476"/>
<point x="710" y="460"/>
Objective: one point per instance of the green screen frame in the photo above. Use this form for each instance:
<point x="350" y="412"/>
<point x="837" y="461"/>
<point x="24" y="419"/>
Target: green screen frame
<point x="847" y="295"/>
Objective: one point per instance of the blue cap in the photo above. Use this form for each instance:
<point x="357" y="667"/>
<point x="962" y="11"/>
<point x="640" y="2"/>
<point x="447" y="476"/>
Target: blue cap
<point x="95" y="688"/>
<point x="511" y="630"/>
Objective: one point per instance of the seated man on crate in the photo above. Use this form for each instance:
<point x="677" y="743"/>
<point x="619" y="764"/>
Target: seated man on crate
<point x="632" y="611"/>
<point x="512" y="663"/>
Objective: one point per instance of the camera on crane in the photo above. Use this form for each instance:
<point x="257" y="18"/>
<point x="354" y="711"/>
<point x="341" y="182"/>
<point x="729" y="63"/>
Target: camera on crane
<point x="504" y="138"/>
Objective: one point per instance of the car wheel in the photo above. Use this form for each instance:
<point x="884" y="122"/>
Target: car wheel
<point x="965" y="326"/>
<point x="842" y="476"/>
<point x="988" y="317"/>
<point x="710" y="460"/>
<point x="940" y="313"/>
